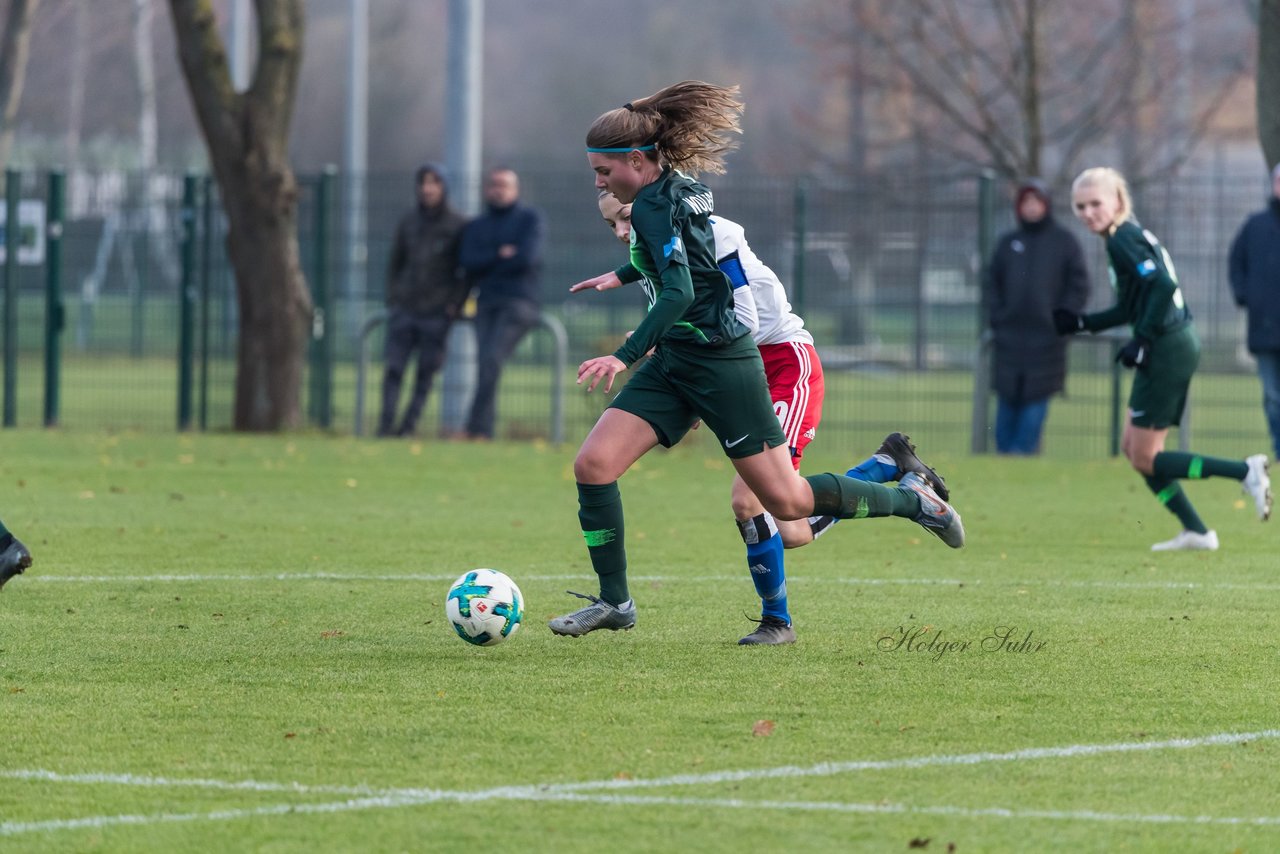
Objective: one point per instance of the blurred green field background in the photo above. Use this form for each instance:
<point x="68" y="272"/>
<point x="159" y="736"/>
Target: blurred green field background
<point x="121" y="393"/>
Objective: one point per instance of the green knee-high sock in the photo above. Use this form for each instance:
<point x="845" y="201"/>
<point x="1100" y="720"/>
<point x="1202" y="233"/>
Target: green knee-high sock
<point x="1170" y="494"/>
<point x="1175" y="465"/>
<point x="600" y="512"/>
<point x="847" y="498"/>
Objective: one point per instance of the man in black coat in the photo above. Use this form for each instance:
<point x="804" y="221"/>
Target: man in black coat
<point x="1037" y="268"/>
<point x="425" y="293"/>
<point x="1255" y="284"/>
<point x="501" y="252"/>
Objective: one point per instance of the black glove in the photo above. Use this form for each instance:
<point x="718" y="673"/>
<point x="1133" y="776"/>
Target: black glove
<point x="1067" y="322"/>
<point x="1136" y="353"/>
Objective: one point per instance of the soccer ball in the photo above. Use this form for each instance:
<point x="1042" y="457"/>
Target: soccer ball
<point x="485" y="607"/>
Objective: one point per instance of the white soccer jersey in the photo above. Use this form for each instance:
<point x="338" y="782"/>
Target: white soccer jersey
<point x="759" y="299"/>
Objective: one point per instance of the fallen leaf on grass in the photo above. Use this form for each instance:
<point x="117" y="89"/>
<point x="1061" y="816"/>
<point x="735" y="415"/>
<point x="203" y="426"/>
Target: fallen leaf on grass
<point x="919" y="842"/>
<point x="332" y="633"/>
<point x="290" y="735"/>
<point x="763" y="728"/>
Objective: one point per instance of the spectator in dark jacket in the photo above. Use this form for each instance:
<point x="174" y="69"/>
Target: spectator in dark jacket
<point x="1036" y="268"/>
<point x="1255" y="284"/>
<point x="425" y="293"/>
<point x="501" y="252"/>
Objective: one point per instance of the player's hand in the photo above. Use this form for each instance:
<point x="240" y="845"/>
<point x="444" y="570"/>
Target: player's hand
<point x="607" y="282"/>
<point x="1136" y="353"/>
<point x="600" y="368"/>
<point x="1067" y="322"/>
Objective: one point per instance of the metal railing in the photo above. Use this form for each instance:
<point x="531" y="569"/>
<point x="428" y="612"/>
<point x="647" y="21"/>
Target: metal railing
<point x="559" y="363"/>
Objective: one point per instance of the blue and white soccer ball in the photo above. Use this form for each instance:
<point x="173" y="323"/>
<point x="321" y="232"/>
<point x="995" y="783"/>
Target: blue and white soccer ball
<point x="485" y="607"/>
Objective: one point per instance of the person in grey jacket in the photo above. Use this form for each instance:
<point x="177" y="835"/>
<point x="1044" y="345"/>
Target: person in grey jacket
<point x="425" y="293"/>
<point x="1255" y="284"/>
<point x="1036" y="268"/>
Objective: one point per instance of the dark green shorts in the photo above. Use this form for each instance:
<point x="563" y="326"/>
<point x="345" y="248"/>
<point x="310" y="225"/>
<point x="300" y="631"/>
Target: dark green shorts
<point x="724" y="386"/>
<point x="1159" y="393"/>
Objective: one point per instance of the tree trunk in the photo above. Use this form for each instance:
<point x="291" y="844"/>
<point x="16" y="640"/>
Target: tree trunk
<point x="275" y="307"/>
<point x="14" y="49"/>
<point x="247" y="134"/>
<point x="1269" y="80"/>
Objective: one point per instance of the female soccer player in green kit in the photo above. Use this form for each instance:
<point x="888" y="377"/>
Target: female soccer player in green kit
<point x="705" y="364"/>
<point x="1164" y="350"/>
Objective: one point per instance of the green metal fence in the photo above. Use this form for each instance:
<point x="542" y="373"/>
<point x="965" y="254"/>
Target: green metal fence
<point x="127" y="318"/>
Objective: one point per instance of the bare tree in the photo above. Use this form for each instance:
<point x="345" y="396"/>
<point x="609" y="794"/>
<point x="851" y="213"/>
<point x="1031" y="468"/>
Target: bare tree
<point x="1269" y="80"/>
<point x="1026" y="86"/>
<point x="247" y="136"/>
<point x="15" y="45"/>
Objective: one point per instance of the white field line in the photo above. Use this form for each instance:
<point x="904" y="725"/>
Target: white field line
<point x="95" y="822"/>
<point x="701" y="579"/>
<point x="366" y="798"/>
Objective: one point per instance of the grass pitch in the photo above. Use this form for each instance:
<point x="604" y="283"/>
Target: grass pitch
<point x="238" y="643"/>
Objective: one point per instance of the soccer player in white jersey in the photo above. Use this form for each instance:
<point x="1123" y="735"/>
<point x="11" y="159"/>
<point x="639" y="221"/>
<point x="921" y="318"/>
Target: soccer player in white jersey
<point x="794" y="374"/>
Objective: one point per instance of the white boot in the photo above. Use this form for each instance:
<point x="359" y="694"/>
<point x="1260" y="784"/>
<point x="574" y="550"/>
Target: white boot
<point x="1207" y="541"/>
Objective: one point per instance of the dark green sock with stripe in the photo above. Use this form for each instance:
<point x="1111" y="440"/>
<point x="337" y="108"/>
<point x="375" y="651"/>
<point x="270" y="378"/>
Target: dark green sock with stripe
<point x="600" y="513"/>
<point x="847" y="498"/>
<point x="1170" y="494"/>
<point x="1177" y="465"/>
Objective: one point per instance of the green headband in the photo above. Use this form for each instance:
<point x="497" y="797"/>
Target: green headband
<point x="648" y="147"/>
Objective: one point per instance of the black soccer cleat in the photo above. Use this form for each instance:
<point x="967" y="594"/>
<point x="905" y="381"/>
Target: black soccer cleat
<point x="898" y="447"/>
<point x="14" y="558"/>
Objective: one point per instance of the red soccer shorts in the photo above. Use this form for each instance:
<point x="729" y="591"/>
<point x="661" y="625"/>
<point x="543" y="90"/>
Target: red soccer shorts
<point x="795" y="385"/>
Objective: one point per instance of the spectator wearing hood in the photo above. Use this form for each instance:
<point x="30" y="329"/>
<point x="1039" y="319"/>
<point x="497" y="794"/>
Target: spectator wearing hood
<point x="1036" y="268"/>
<point x="501" y="252"/>
<point x="1255" y="284"/>
<point x="425" y="293"/>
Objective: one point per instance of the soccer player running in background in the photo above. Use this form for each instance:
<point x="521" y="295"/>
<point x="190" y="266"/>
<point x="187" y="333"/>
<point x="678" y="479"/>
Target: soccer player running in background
<point x="14" y="557"/>
<point x="704" y="365"/>
<point x="1164" y="350"/>
<point x="794" y="374"/>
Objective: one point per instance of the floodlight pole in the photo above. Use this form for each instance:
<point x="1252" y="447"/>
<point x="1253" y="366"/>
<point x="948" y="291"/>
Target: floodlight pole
<point x="240" y="44"/>
<point x="465" y="97"/>
<point x="355" y="165"/>
<point x="464" y="84"/>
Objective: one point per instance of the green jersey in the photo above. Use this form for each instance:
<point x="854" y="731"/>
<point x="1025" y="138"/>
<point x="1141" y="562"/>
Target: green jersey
<point x="673" y="252"/>
<point x="1146" y="285"/>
